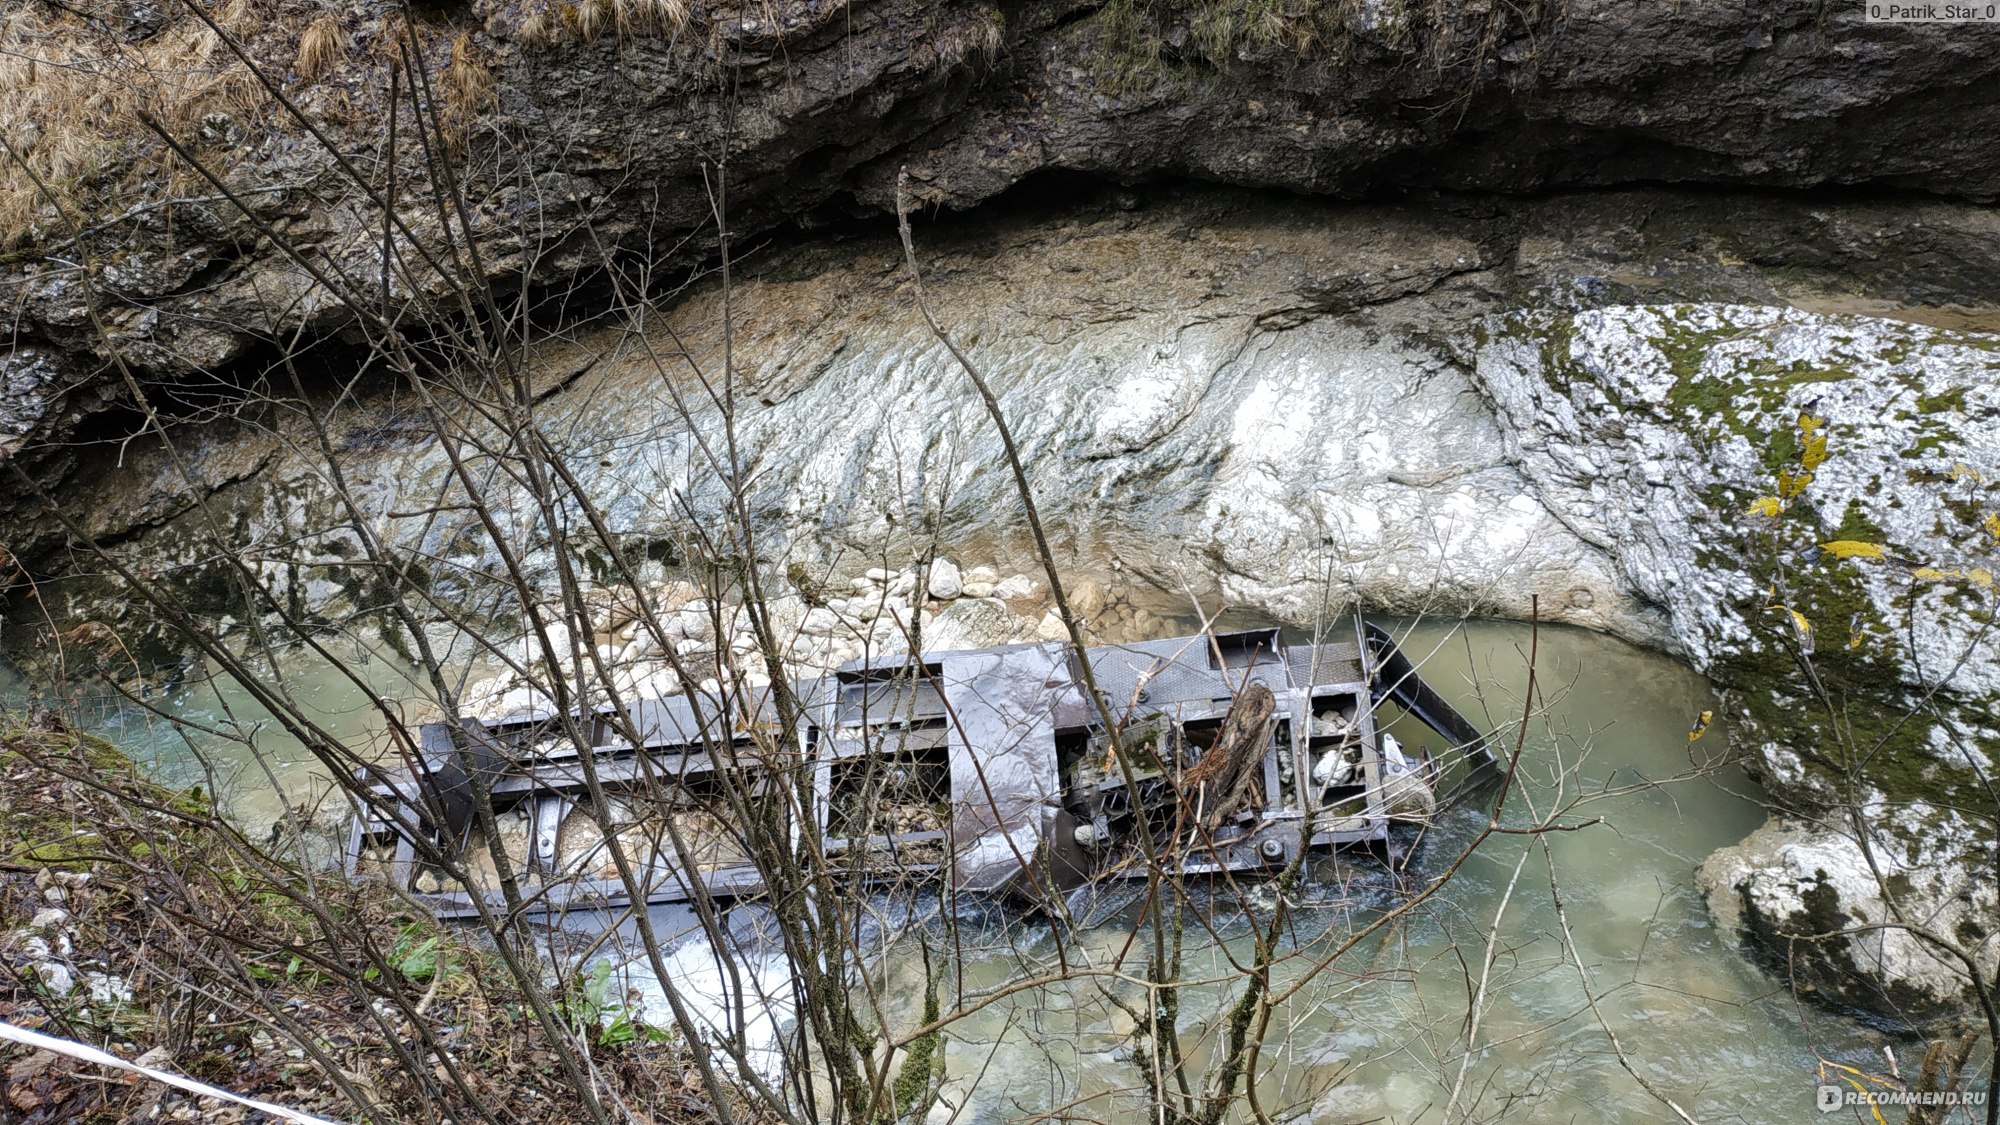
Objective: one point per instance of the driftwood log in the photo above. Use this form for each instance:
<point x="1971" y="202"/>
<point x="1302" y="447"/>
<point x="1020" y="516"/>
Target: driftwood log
<point x="1219" y="784"/>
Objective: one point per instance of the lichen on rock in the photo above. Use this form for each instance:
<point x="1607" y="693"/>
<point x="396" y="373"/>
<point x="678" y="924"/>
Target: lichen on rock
<point x="1842" y="596"/>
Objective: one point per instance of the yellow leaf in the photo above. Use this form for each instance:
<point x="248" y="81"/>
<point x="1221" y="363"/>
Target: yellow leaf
<point x="1792" y="484"/>
<point x="1768" y="506"/>
<point x="1852" y="549"/>
<point x="1810" y="422"/>
<point x="1815" y="452"/>
<point x="1960" y="470"/>
<point x="1979" y="576"/>
<point x="1700" y="726"/>
<point x="1799" y="622"/>
<point x="1992" y="525"/>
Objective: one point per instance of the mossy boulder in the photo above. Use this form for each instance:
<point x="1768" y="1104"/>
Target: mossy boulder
<point x="1814" y="502"/>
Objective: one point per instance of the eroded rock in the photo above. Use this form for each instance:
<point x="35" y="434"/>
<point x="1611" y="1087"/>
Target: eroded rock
<point x="1814" y="501"/>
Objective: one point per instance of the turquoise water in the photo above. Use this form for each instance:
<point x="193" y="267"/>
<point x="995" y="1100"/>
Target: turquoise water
<point x="206" y="731"/>
<point x="1380" y="1031"/>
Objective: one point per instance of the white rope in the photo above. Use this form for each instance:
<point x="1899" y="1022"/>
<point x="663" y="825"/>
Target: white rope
<point x="91" y="1054"/>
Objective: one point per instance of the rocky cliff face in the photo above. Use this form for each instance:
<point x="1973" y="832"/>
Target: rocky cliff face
<point x="602" y="123"/>
<point x="1459" y="404"/>
<point x="1812" y="501"/>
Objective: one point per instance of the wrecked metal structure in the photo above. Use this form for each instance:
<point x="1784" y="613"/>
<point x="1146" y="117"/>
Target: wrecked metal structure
<point x="985" y="771"/>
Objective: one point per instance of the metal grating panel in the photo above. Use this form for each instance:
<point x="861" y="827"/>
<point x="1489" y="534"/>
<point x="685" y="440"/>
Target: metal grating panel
<point x="1325" y="664"/>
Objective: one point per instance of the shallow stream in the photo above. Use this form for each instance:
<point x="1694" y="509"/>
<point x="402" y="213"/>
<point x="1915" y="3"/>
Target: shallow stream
<point x="1379" y="1032"/>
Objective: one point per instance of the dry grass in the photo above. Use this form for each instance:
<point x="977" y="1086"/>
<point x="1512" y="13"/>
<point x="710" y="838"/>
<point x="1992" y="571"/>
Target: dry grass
<point x="1442" y="33"/>
<point x="77" y="84"/>
<point x="75" y="92"/>
<point x="468" y="85"/>
<point x="321" y="46"/>
<point x="547" y="23"/>
<point x="649" y="17"/>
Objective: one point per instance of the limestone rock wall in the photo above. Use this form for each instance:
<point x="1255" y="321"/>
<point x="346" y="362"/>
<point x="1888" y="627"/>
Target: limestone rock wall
<point x="1815" y="503"/>
<point x="602" y="133"/>
<point x="1287" y="408"/>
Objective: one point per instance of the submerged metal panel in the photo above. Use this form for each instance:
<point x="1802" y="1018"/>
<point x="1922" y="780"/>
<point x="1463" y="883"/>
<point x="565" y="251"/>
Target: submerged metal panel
<point x="997" y="716"/>
<point x="1006" y="706"/>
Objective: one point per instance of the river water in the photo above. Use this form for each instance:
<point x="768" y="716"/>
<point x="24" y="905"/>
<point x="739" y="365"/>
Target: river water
<point x="1379" y="1031"/>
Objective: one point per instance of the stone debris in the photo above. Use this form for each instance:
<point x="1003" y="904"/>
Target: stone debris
<point x="46" y="944"/>
<point x="876" y="613"/>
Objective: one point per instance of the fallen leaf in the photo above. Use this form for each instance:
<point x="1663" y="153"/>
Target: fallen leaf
<point x="1801" y="624"/>
<point x="31" y="1066"/>
<point x="1853" y="549"/>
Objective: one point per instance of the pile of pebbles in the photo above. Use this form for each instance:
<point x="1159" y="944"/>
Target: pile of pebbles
<point x="878" y="612"/>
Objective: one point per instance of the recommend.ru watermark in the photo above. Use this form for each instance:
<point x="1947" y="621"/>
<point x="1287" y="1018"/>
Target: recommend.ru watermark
<point x="1832" y="1098"/>
<point x="1931" y="13"/>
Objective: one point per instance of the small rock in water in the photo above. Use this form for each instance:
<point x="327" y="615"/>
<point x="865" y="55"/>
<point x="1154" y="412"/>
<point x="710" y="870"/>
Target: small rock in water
<point x="878" y="574"/>
<point x="428" y="883"/>
<point x="984" y="574"/>
<point x="976" y="590"/>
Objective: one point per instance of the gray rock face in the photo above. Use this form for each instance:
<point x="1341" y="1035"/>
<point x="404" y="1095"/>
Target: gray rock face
<point x="614" y="142"/>
<point x="29" y="386"/>
<point x="1790" y="883"/>
<point x="1815" y="503"/>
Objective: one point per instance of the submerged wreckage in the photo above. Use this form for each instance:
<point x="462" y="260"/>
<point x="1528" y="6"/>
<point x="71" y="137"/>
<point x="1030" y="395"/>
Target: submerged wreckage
<point x="985" y="771"/>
